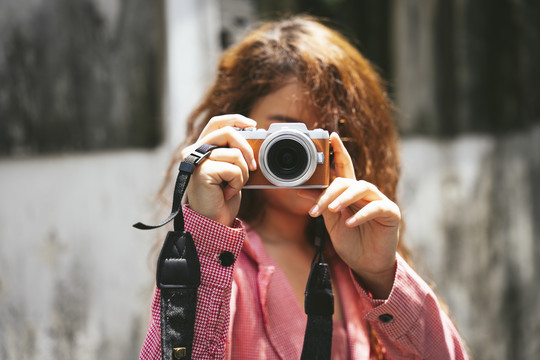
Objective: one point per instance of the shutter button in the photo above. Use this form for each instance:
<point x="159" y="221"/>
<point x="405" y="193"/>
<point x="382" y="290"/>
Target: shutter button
<point x="226" y="258"/>
<point x="386" y="318"/>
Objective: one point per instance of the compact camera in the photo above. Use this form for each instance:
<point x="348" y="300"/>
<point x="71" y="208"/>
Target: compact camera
<point x="289" y="155"/>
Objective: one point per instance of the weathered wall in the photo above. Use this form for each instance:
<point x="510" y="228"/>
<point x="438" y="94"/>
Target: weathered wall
<point x="80" y="75"/>
<point x="466" y="66"/>
<point x="466" y="79"/>
<point x="76" y="279"/>
<point x="471" y="206"/>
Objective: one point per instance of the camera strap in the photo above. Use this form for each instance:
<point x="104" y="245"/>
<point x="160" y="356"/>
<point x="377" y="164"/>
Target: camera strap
<point x="178" y="270"/>
<point x="318" y="302"/>
<point x="178" y="278"/>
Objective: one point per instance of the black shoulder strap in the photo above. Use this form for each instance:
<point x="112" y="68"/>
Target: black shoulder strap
<point x="178" y="270"/>
<point x="319" y="303"/>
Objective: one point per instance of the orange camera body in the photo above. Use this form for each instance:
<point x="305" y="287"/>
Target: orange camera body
<point x="289" y="155"/>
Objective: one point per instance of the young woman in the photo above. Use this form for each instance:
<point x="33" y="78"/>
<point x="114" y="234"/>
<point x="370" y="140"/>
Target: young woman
<point x="298" y="70"/>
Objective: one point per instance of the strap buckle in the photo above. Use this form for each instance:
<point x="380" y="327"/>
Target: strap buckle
<point x="200" y="155"/>
<point x="185" y="170"/>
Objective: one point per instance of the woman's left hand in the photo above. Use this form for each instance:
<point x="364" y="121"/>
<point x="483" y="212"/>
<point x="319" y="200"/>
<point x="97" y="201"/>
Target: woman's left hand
<point x="362" y="222"/>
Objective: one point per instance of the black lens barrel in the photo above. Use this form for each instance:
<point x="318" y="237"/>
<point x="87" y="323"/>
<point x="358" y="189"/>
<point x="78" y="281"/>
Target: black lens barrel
<point x="287" y="159"/>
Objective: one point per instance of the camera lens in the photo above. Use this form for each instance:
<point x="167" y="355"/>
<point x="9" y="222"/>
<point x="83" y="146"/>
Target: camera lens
<point x="287" y="159"/>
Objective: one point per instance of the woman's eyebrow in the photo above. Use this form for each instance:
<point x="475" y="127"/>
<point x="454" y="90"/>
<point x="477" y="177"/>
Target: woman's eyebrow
<point x="283" y="118"/>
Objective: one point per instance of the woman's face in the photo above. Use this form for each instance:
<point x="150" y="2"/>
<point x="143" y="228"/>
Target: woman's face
<point x="288" y="104"/>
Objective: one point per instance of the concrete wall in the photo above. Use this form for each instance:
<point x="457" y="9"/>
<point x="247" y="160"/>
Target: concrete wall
<point x="465" y="78"/>
<point x="74" y="276"/>
<point x="472" y="215"/>
<point x="76" y="279"/>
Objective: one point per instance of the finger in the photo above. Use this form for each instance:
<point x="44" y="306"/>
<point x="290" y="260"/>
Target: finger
<point x="360" y="191"/>
<point x="219" y="172"/>
<point x="228" y="137"/>
<point x="233" y="156"/>
<point x="342" y="163"/>
<point x="338" y="186"/>
<point x="384" y="212"/>
<point x="221" y="121"/>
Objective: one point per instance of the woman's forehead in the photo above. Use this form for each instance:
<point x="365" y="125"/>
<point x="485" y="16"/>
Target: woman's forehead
<point x="290" y="103"/>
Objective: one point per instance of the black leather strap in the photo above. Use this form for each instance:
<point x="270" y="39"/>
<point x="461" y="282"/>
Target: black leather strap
<point x="319" y="303"/>
<point x="178" y="270"/>
<point x="184" y="173"/>
<point x="178" y="277"/>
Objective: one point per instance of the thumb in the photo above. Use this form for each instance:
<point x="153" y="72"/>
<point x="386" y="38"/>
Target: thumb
<point x="342" y="160"/>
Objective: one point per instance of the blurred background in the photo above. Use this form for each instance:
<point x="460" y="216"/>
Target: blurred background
<point x="93" y="98"/>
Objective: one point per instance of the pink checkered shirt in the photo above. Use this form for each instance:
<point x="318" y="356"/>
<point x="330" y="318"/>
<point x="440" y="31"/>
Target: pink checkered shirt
<point x="249" y="310"/>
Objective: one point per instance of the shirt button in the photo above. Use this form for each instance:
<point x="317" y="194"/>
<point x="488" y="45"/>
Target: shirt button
<point x="226" y="258"/>
<point x="386" y="318"/>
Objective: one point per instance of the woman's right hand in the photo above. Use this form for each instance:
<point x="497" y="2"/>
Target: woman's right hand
<point x="214" y="188"/>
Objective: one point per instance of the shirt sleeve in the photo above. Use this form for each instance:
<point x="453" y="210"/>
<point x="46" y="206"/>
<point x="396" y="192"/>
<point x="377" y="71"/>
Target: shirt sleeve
<point x="218" y="247"/>
<point x="411" y="322"/>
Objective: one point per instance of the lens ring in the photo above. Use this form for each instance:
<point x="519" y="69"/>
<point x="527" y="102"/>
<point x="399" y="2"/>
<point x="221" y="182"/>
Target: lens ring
<point x="287" y="159"/>
<point x="288" y="175"/>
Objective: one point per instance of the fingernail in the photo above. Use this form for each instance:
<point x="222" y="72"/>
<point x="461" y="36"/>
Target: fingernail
<point x="350" y="222"/>
<point x="314" y="210"/>
<point x="253" y="165"/>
